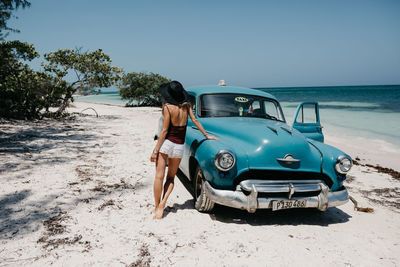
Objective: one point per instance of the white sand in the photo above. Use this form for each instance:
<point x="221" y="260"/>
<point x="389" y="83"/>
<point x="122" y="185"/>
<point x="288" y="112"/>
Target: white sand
<point x="78" y="167"/>
<point x="375" y="152"/>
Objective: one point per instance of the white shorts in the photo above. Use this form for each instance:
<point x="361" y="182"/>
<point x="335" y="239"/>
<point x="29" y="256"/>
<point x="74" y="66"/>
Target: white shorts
<point x="171" y="149"/>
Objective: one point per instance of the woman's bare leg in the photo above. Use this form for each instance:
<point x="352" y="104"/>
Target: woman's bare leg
<point x="169" y="183"/>
<point x="158" y="180"/>
<point x="173" y="165"/>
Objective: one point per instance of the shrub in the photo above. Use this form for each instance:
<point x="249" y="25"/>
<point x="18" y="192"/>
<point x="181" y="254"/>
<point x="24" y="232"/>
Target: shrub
<point x="141" y="89"/>
<point x="29" y="94"/>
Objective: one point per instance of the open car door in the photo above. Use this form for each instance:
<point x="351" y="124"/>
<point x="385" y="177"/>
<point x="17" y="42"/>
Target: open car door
<point x="306" y="121"/>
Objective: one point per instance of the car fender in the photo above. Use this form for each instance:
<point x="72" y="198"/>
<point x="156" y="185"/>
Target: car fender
<point x="330" y="155"/>
<point x="203" y="151"/>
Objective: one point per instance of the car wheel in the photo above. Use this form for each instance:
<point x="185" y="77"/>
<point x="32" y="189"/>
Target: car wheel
<point x="201" y="202"/>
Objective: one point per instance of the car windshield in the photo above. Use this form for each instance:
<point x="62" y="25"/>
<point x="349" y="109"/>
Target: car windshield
<point x="239" y="105"/>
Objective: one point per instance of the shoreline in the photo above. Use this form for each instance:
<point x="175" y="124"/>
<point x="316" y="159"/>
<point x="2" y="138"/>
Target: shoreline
<point x="98" y="103"/>
<point x="368" y="151"/>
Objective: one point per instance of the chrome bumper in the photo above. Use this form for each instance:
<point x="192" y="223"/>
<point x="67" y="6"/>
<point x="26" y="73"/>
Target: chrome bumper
<point x="246" y="194"/>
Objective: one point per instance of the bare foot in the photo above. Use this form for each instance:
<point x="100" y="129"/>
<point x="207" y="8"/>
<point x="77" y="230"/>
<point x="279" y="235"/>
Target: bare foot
<point x="154" y="212"/>
<point x="159" y="212"/>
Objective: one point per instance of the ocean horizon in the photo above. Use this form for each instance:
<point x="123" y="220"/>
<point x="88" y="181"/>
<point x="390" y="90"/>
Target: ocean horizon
<point x="369" y="111"/>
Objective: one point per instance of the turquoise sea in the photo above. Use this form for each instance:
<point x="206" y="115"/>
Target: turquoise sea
<point x="360" y="111"/>
<point x="356" y="111"/>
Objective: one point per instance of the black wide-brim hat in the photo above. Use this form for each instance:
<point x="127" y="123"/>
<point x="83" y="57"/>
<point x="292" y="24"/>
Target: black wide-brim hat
<point x="174" y="93"/>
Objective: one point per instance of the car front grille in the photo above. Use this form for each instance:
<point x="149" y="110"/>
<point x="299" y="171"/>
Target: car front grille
<point x="285" y="195"/>
<point x="282" y="175"/>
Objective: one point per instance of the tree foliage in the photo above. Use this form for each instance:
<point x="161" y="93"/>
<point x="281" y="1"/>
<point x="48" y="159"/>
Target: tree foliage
<point x="29" y="94"/>
<point x="24" y="93"/>
<point x="142" y="88"/>
<point x="91" y="69"/>
<point x="6" y="9"/>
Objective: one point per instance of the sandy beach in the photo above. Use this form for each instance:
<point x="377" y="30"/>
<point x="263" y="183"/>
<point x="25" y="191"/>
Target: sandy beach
<point x="78" y="192"/>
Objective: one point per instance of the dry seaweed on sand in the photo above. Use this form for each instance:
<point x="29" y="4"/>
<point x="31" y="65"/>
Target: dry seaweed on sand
<point x="378" y="168"/>
<point x="357" y="208"/>
<point x="56" y="242"/>
<point x="102" y="187"/>
<point x="84" y="172"/>
<point x="53" y="225"/>
<point x="108" y="203"/>
<point x="389" y="197"/>
<point x="105" y="204"/>
<point x="144" y="257"/>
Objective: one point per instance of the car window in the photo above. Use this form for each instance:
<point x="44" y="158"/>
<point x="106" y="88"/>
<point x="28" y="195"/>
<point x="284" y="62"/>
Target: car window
<point x="307" y="114"/>
<point x="271" y="109"/>
<point x="255" y="104"/>
<point x="239" y="105"/>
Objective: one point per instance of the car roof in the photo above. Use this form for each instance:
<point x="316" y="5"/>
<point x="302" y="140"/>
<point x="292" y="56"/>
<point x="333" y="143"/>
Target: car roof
<point x="208" y="89"/>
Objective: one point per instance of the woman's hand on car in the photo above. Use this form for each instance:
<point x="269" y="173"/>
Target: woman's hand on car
<point x="211" y="137"/>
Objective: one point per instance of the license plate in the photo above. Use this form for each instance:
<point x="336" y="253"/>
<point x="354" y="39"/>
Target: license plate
<point x="288" y="204"/>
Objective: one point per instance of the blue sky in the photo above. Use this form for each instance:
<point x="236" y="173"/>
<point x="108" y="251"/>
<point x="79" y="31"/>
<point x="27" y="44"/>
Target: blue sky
<point x="247" y="43"/>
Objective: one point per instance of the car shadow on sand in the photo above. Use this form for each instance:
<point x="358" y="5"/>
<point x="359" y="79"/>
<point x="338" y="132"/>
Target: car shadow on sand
<point x="268" y="217"/>
<point x="282" y="217"/>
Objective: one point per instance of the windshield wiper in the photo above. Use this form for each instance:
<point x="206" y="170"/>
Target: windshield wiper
<point x="266" y="116"/>
<point x="271" y="117"/>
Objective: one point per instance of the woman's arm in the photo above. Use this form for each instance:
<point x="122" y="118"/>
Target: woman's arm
<point x="163" y="134"/>
<point x="198" y="124"/>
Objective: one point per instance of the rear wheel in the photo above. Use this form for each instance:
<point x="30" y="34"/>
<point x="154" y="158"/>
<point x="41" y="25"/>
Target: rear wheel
<point x="201" y="202"/>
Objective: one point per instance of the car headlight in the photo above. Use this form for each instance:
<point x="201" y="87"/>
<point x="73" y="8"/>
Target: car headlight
<point x="224" y="160"/>
<point x="343" y="164"/>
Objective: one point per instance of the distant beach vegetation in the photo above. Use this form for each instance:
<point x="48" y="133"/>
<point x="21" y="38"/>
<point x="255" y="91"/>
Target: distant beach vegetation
<point x="141" y="89"/>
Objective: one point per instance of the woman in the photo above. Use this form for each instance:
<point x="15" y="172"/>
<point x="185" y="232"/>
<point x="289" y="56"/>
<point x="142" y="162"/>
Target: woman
<point x="170" y="144"/>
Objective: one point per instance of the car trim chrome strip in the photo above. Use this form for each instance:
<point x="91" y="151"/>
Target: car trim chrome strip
<point x="288" y="161"/>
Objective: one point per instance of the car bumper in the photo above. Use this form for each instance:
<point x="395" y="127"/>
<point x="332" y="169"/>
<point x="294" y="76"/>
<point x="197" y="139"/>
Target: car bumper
<point x="251" y="201"/>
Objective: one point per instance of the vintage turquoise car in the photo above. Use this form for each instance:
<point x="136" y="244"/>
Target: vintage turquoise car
<point x="260" y="161"/>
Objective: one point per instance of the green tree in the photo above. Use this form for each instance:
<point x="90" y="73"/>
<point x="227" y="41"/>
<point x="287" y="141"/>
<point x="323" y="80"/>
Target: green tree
<point x="25" y="93"/>
<point x="91" y="69"/>
<point x="6" y="9"/>
<point x="29" y="94"/>
<point x="141" y="88"/>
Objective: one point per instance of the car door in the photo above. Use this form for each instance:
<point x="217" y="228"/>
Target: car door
<point x="306" y="121"/>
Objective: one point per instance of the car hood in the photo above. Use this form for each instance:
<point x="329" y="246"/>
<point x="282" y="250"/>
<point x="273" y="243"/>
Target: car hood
<point x="265" y="141"/>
